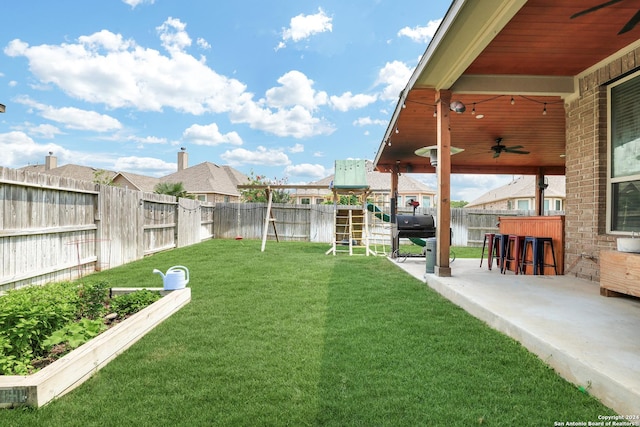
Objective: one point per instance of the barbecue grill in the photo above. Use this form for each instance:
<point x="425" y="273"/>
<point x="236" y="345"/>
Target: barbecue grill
<point x="421" y="226"/>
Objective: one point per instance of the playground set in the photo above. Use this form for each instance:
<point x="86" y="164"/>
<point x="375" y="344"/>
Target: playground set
<point x="362" y="218"/>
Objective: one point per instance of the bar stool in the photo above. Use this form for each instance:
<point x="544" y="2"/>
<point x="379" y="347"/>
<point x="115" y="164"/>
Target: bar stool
<point x="497" y="250"/>
<point x="513" y="253"/>
<point x="488" y="238"/>
<point x="538" y="246"/>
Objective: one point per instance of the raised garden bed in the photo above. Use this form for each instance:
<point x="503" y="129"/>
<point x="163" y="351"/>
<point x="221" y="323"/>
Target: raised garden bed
<point x="76" y="367"/>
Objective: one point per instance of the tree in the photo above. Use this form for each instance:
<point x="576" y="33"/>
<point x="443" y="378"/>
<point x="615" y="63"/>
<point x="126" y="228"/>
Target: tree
<point x="172" y="189"/>
<point x="458" y="203"/>
<point x="259" y="194"/>
<point x="102" y="177"/>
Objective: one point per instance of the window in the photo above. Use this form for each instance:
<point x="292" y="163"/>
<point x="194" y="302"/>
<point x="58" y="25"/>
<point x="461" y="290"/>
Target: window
<point x="523" y="205"/>
<point x="546" y="205"/>
<point x="305" y="201"/>
<point x="558" y="205"/>
<point x="408" y="199"/>
<point x="201" y="197"/>
<point x="426" y="201"/>
<point x="624" y="155"/>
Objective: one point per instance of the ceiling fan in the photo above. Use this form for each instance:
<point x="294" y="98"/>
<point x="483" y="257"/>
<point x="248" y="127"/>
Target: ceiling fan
<point x="627" y="27"/>
<point x="499" y="149"/>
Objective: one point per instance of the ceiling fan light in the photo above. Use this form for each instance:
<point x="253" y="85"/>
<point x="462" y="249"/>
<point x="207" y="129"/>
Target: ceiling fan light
<point x="457" y="107"/>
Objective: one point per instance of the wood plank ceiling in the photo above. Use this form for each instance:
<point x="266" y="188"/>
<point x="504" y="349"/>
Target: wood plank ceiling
<point x="541" y="40"/>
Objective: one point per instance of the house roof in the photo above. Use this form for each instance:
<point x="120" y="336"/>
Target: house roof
<point x="141" y="182"/>
<point x="380" y="182"/>
<point x="522" y="187"/>
<point x="208" y="177"/>
<point x="486" y="53"/>
<point x="83" y="173"/>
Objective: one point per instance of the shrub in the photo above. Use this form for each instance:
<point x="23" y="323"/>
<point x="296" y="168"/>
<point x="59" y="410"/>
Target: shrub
<point x="133" y="302"/>
<point x="92" y="299"/>
<point x="27" y="317"/>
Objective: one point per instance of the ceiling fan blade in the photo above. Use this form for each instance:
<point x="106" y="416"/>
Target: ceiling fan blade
<point x="496" y="154"/>
<point x="631" y="24"/>
<point x="514" y="147"/>
<point x="517" y="151"/>
<point x="594" y="8"/>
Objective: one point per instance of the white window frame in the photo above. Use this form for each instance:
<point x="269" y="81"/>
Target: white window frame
<point x="611" y="180"/>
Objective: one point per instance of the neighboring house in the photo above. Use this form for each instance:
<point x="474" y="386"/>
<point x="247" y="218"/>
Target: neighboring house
<point x="209" y="182"/>
<point x="520" y="194"/>
<point x="408" y="189"/>
<point x="206" y="181"/>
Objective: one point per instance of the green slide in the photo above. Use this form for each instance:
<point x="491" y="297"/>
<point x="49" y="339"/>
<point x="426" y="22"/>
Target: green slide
<point x="386" y="218"/>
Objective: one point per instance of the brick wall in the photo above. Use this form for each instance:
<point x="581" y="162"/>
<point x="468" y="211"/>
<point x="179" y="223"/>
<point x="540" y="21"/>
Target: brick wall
<point x="586" y="169"/>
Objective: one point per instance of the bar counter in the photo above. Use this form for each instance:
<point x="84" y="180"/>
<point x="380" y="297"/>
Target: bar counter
<point x="538" y="226"/>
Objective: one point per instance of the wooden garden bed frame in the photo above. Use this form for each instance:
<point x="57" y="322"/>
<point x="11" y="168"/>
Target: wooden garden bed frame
<point x="73" y="369"/>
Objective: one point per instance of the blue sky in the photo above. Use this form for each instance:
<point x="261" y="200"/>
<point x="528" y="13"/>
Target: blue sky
<point x="280" y="88"/>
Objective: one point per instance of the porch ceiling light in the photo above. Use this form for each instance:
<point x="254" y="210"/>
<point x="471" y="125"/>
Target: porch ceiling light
<point x="2" y="108"/>
<point x="432" y="153"/>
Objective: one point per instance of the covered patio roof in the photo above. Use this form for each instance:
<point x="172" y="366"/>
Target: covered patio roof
<point x="513" y="64"/>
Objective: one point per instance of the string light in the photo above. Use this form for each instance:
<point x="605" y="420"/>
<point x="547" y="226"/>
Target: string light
<point x="512" y="100"/>
<point x="397" y="131"/>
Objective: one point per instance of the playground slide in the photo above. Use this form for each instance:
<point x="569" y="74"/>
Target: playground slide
<point x="386" y="218"/>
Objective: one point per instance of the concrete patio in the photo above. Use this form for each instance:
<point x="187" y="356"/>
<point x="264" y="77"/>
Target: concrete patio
<point x="590" y="340"/>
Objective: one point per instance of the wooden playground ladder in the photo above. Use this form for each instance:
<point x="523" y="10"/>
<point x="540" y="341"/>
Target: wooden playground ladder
<point x="351" y="231"/>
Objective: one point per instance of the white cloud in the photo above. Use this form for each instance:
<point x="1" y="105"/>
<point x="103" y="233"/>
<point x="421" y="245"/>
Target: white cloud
<point x="173" y="35"/>
<point x="74" y="118"/>
<point x="148" y="140"/>
<point x="298" y="148"/>
<point x="144" y="165"/>
<point x="210" y="135"/>
<point x="18" y="149"/>
<point x="134" y="3"/>
<point x="296" y="89"/>
<point x="348" y="101"/>
<point x="307" y="170"/>
<point x="203" y="43"/>
<point x="262" y="156"/>
<point x="44" y="131"/>
<point x="420" y="34"/>
<point x="394" y="77"/>
<point x="304" y="26"/>
<point x="105" y="68"/>
<point x="297" y="122"/>
<point x="368" y="121"/>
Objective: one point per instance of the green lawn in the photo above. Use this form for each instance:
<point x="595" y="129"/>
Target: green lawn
<point x="291" y="336"/>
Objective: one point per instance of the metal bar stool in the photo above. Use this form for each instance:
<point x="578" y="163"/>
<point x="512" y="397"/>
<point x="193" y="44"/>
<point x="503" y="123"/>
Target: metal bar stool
<point x="488" y="243"/>
<point x="497" y="250"/>
<point x="538" y="245"/>
<point x="513" y="253"/>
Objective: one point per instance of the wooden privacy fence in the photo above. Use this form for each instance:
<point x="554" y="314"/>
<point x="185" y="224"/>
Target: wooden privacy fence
<point x="314" y="223"/>
<point x="54" y="228"/>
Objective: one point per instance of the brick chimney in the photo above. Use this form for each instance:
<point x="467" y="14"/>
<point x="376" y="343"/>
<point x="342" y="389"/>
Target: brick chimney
<point x="50" y="162"/>
<point x="183" y="159"/>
